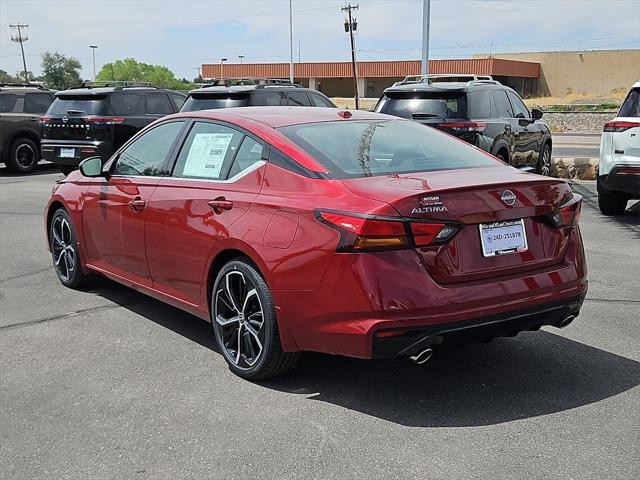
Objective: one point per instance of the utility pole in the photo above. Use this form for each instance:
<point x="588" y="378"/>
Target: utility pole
<point x="426" y="7"/>
<point x="291" y="41"/>
<point x="20" y="38"/>
<point x="350" y="26"/>
<point x="93" y="50"/>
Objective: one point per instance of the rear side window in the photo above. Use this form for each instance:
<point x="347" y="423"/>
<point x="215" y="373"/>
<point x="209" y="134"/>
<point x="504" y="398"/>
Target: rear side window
<point x="298" y="99"/>
<point x="206" y="102"/>
<point x="503" y="106"/>
<point x="249" y="153"/>
<point x="208" y="152"/>
<point x="264" y="99"/>
<point x="158" y="104"/>
<point x="79" y="104"/>
<point x="320" y="101"/>
<point x="7" y="102"/>
<point x="425" y="105"/>
<point x="479" y="104"/>
<point x="631" y="105"/>
<point x="519" y="108"/>
<point x="146" y="155"/>
<point x="36" y="102"/>
<point x="383" y="147"/>
<point x="125" y="103"/>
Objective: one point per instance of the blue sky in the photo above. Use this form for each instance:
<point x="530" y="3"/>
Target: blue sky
<point x="183" y="34"/>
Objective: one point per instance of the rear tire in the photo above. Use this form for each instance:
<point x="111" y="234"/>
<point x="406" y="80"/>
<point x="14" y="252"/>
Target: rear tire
<point x="612" y="203"/>
<point x="24" y="156"/>
<point x="65" y="252"/>
<point x="544" y="161"/>
<point x="66" y="169"/>
<point x="245" y="325"/>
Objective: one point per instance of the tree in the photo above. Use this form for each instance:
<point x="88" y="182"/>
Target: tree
<point x="134" y="71"/>
<point x="6" y="78"/>
<point x="60" y="72"/>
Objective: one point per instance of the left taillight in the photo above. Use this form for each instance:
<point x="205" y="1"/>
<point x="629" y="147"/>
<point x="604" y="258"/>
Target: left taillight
<point x="567" y="216"/>
<point x="361" y="233"/>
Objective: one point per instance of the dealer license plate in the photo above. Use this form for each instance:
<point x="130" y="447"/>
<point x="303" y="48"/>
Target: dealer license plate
<point x="500" y="238"/>
<point x="67" y="152"/>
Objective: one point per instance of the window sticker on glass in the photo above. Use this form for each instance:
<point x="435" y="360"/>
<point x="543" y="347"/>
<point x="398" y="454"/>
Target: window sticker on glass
<point x="207" y="154"/>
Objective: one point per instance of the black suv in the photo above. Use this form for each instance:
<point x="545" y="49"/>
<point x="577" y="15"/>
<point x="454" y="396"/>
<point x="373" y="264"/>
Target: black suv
<point x="479" y="110"/>
<point x="251" y="92"/>
<point x="21" y="107"/>
<point x="96" y="120"/>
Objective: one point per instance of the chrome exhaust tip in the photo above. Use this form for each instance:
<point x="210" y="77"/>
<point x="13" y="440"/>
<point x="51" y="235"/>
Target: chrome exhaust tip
<point x="567" y="321"/>
<point x="422" y="357"/>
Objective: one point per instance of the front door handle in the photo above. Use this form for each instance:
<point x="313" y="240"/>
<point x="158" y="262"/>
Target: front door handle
<point x="220" y="204"/>
<point x="137" y="204"/>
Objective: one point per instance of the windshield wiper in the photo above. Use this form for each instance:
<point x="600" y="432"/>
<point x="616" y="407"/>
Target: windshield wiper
<point x="425" y="115"/>
<point x="74" y="112"/>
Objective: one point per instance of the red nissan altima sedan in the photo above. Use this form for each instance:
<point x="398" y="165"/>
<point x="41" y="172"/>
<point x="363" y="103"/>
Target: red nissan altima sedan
<point x="309" y="229"/>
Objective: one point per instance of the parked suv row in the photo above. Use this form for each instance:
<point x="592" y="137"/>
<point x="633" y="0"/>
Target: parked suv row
<point x="21" y="107"/>
<point x="479" y="110"/>
<point x="97" y="120"/>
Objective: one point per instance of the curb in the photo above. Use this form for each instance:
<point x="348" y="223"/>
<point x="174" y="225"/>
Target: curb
<point x="580" y="168"/>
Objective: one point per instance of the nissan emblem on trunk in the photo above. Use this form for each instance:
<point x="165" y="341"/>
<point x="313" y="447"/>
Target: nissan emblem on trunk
<point x="508" y="197"/>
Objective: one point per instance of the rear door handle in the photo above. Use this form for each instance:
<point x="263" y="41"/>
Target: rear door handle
<point x="220" y="204"/>
<point x="137" y="204"/>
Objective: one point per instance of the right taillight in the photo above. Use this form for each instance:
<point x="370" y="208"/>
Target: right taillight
<point x="618" y="126"/>
<point x="362" y="233"/>
<point x="566" y="216"/>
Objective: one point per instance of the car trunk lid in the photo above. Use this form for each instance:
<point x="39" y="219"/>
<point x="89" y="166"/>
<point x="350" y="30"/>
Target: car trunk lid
<point x="467" y="198"/>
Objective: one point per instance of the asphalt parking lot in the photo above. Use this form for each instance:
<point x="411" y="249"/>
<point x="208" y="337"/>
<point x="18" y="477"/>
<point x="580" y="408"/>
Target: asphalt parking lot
<point x="108" y="383"/>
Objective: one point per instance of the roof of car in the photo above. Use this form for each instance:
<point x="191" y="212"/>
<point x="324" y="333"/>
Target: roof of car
<point x="444" y="86"/>
<point x="17" y="87"/>
<point x="105" y="90"/>
<point x="244" y="88"/>
<point x="277" y="117"/>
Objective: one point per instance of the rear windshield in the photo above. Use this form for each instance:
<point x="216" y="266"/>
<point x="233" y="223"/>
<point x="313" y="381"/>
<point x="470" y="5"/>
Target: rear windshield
<point x="422" y="106"/>
<point x="383" y="147"/>
<point x="631" y="106"/>
<point x="201" y="102"/>
<point x="89" y="105"/>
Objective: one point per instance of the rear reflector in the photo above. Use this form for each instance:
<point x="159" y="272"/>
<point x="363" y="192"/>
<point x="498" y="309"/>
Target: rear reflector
<point x="620" y="126"/>
<point x="369" y="233"/>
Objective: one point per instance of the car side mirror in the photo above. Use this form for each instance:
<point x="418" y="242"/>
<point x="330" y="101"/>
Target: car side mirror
<point x="536" y="114"/>
<point x="91" y="167"/>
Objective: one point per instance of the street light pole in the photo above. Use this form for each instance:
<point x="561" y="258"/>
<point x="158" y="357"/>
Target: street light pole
<point x="241" y="57"/>
<point x="93" y="50"/>
<point x="222" y="60"/>
<point x="426" y="7"/>
<point x="291" y="41"/>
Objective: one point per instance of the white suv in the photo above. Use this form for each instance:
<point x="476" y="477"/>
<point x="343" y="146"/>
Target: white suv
<point x="619" y="170"/>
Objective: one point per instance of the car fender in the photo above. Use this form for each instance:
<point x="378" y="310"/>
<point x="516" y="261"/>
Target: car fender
<point x="501" y="142"/>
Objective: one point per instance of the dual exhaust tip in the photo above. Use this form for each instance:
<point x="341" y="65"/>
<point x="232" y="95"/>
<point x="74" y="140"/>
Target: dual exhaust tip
<point x="425" y="355"/>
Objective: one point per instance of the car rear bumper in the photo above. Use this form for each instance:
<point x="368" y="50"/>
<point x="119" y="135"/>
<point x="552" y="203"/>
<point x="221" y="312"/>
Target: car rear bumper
<point x="50" y="151"/>
<point x="622" y="179"/>
<point x="482" y="329"/>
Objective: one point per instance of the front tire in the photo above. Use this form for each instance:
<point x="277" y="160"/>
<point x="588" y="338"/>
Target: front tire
<point x="612" y="203"/>
<point x="24" y="156"/>
<point x="64" y="251"/>
<point x="245" y="325"/>
<point x="544" y="162"/>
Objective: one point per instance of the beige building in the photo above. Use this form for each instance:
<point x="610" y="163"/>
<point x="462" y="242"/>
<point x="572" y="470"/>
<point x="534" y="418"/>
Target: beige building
<point x="591" y="72"/>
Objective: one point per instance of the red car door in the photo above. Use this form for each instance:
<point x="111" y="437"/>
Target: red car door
<point x="217" y="174"/>
<point x="115" y="208"/>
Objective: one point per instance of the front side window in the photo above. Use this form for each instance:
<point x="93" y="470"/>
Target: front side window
<point x="320" y="101"/>
<point x="208" y="152"/>
<point x="519" y="108"/>
<point x="158" y="104"/>
<point x="37" y="102"/>
<point x="383" y="147"/>
<point x="147" y="155"/>
<point x="631" y="105"/>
